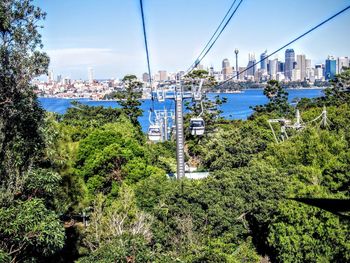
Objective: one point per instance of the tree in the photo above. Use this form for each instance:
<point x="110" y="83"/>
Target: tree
<point x="207" y="108"/>
<point x="278" y="99"/>
<point x="29" y="231"/>
<point x="339" y="92"/>
<point x="20" y="113"/>
<point x="129" y="98"/>
<point x="118" y="231"/>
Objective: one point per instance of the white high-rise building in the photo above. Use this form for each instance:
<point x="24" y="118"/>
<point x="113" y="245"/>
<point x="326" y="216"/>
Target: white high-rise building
<point x="301" y="65"/>
<point x="91" y="75"/>
<point x="296" y="75"/>
<point x="341" y="63"/>
<point x="319" y="70"/>
<point x="273" y="66"/>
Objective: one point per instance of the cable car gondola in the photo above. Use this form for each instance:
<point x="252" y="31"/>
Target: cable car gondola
<point x="160" y="95"/>
<point x="154" y="133"/>
<point x="197" y="126"/>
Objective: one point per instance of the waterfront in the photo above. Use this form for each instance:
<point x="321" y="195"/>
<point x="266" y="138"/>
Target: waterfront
<point x="237" y="106"/>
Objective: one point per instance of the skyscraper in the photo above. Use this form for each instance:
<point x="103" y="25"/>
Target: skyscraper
<point x="331" y="67"/>
<point x="163" y="75"/>
<point x="301" y="65"/>
<point x="280" y="67"/>
<point x="251" y="66"/>
<point x="273" y="68"/>
<point x="226" y="69"/>
<point x="263" y="63"/>
<point x="289" y="63"/>
<point x="225" y="63"/>
<point x="341" y="63"/>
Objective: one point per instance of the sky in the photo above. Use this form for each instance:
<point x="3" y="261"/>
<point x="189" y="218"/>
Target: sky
<point x="107" y="34"/>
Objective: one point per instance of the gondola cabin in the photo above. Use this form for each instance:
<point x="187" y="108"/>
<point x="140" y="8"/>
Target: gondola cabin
<point x="154" y="133"/>
<point x="197" y="126"/>
<point x="160" y="95"/>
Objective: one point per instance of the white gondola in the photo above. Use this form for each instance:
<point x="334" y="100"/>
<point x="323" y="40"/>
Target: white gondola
<point x="154" y="133"/>
<point x="160" y="95"/>
<point x="197" y="126"/>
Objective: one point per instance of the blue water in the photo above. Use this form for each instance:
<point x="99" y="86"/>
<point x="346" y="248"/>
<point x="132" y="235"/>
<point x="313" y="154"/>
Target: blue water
<point x="237" y="106"/>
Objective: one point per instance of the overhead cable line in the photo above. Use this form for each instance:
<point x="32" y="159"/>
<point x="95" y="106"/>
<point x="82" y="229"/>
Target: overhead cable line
<point x="147" y="52"/>
<point x="211" y="42"/>
<point x="284" y="46"/>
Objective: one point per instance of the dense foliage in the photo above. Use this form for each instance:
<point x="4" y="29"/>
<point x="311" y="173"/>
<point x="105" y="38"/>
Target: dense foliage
<point x="86" y="186"/>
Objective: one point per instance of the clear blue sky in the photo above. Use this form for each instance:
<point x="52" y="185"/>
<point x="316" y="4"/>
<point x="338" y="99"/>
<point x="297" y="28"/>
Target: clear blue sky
<point x="107" y="34"/>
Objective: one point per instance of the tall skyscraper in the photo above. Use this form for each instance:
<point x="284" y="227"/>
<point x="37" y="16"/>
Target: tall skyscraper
<point x="301" y="65"/>
<point x="163" y="75"/>
<point x="341" y="63"/>
<point x="226" y="69"/>
<point x="273" y="68"/>
<point x="225" y="63"/>
<point x="280" y="67"/>
<point x="91" y="75"/>
<point x="331" y="67"/>
<point x="251" y="66"/>
<point x="289" y="63"/>
<point x="263" y="63"/>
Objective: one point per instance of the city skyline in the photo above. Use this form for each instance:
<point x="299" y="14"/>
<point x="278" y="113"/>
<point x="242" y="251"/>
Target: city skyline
<point x="108" y="37"/>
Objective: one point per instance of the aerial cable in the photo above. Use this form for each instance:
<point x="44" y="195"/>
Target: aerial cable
<point x="206" y="49"/>
<point x="284" y="46"/>
<point x="217" y="29"/>
<point x="147" y="52"/>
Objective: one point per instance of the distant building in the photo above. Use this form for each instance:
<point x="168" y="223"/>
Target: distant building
<point x="211" y="71"/>
<point x="273" y="68"/>
<point x="301" y="65"/>
<point x="59" y="78"/>
<point x="241" y="76"/>
<point x="341" y="63"/>
<point x="263" y="61"/>
<point x="289" y="63"/>
<point x="226" y="69"/>
<point x="51" y="77"/>
<point x="163" y="75"/>
<point x="145" y="77"/>
<point x="280" y="67"/>
<point x="296" y="75"/>
<point x="251" y="64"/>
<point x="319" y="72"/>
<point x="331" y="68"/>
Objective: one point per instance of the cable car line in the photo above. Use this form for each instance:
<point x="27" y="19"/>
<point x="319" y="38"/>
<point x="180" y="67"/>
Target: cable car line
<point x="284" y="46"/>
<point x="217" y="29"/>
<point x="201" y="55"/>
<point x="147" y="52"/>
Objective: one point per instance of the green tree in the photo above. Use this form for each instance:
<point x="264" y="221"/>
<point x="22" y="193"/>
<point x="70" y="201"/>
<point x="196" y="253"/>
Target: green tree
<point x="20" y="113"/>
<point x="29" y="231"/>
<point x="278" y="99"/>
<point x="129" y="98"/>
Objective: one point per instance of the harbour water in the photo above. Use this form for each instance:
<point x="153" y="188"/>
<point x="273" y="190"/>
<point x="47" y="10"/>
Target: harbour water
<point x="237" y="106"/>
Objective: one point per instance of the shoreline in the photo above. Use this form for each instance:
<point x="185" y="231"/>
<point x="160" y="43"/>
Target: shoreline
<point x="213" y="92"/>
